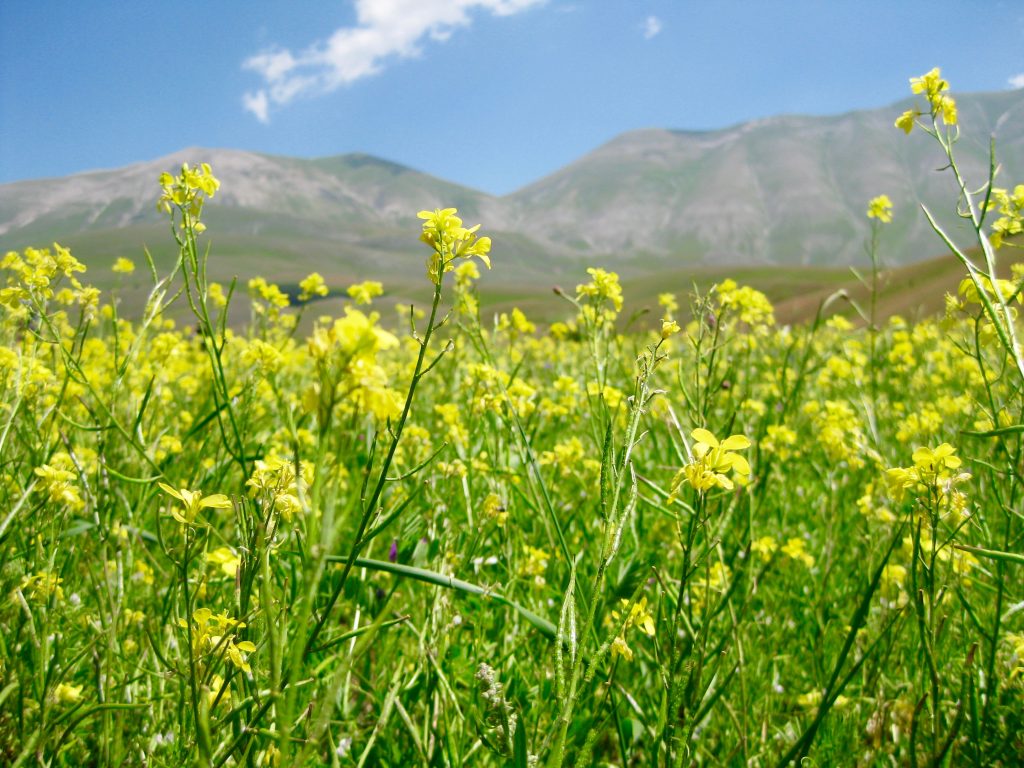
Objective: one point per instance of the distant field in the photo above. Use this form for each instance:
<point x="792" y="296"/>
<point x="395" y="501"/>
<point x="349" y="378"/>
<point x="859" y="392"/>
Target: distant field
<point x="914" y="291"/>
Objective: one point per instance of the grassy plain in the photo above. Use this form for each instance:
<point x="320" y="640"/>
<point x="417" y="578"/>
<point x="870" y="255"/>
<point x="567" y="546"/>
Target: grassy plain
<point x="777" y="521"/>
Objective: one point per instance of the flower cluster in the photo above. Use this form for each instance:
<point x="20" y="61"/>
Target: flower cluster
<point x="449" y="240"/>
<point x="185" y="192"/>
<point x="1010" y="206"/>
<point x="940" y="103"/>
<point x="36" y="272"/>
<point x="749" y="305"/>
<point x="211" y="639"/>
<point x="275" y="482"/>
<point x="640" y="617"/>
<point x="933" y="477"/>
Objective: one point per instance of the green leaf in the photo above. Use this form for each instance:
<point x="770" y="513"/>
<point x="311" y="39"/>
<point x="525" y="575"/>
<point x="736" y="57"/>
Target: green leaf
<point x="520" y="755"/>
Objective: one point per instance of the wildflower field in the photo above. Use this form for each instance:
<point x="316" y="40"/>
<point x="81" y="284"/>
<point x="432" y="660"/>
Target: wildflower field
<point x="473" y="541"/>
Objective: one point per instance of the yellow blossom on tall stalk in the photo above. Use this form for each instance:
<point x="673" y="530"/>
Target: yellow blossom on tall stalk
<point x="1011" y="209"/>
<point x="123" y="266"/>
<point x="193" y="502"/>
<point x="312" y="285"/>
<point x="935" y="472"/>
<point x="603" y="285"/>
<point x="667" y="301"/>
<point x="56" y="482"/>
<point x="748" y="304"/>
<point x="185" y="191"/>
<point x="209" y="634"/>
<point x="669" y="328"/>
<point x="710" y="461"/>
<point x="444" y="233"/>
<point x="940" y="103"/>
<point x="880" y="208"/>
<point x="41" y="586"/>
<point x="796" y="549"/>
<point x="226" y="558"/>
<point x="640" y="617"/>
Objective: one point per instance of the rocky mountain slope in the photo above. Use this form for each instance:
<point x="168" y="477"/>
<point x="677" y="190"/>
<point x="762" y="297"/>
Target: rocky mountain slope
<point x="786" y="190"/>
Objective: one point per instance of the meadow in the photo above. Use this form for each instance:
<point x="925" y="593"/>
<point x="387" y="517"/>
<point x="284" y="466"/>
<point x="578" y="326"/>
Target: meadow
<point x="722" y="538"/>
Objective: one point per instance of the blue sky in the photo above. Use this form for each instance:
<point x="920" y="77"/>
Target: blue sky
<point x="493" y="94"/>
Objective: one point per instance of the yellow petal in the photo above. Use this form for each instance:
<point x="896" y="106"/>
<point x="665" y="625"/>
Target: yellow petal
<point x="217" y="501"/>
<point x="703" y="436"/>
<point x="735" y="442"/>
<point x="167" y="489"/>
<point x="739" y="464"/>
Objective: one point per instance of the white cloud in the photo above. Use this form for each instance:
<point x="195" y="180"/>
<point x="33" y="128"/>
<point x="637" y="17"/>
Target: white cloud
<point x="1017" y="81"/>
<point x="384" y="30"/>
<point x="257" y="104"/>
<point x="652" y="26"/>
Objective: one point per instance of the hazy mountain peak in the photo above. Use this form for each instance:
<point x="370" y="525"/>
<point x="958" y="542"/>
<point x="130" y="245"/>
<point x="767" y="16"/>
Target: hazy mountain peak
<point x="781" y="189"/>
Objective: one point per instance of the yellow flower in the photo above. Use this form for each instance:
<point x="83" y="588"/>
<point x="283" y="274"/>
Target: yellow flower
<point x="797" y="550"/>
<point x="639" y="616"/>
<point x="668" y="302"/>
<point x="194" y="501"/>
<point x="765" y="547"/>
<point x="934" y="89"/>
<point x="880" y="208"/>
<point x="226" y="558"/>
<point x="604" y="285"/>
<point x="235" y="651"/>
<point x="931" y="461"/>
<point x="931" y="84"/>
<point x="905" y="122"/>
<point x="364" y="293"/>
<point x="946" y="106"/>
<point x="67" y="694"/>
<point x="123" y="266"/>
<point x="41" y="586"/>
<point x="621" y="648"/>
<point x="211" y="692"/>
<point x="183" y="191"/>
<point x="444" y="233"/>
<point x="56" y="482"/>
<point x="710" y="461"/>
<point x="749" y="304"/>
<point x="668" y="328"/>
<point x="536" y="564"/>
<point x="311" y="286"/>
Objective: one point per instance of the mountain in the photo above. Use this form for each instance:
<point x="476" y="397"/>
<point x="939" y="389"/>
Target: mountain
<point x="783" y="190"/>
<point x="787" y="190"/>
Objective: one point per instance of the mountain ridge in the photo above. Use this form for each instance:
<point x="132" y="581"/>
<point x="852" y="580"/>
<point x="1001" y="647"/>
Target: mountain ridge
<point x="782" y="189"/>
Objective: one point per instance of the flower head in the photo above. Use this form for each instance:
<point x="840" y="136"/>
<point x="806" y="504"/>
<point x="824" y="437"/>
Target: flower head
<point x="364" y="293"/>
<point x="669" y="328"/>
<point x="710" y="462"/>
<point x="123" y="266"/>
<point x="65" y="693"/>
<point x="934" y="88"/>
<point x="880" y="208"/>
<point x="444" y="233"/>
<point x="312" y="285"/>
<point x="193" y="502"/>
